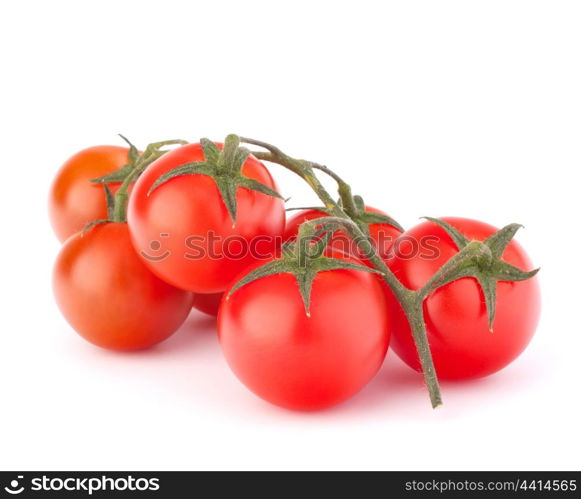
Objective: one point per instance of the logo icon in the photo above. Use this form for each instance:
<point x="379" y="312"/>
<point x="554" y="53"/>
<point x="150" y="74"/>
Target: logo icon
<point x="155" y="247"/>
<point x="13" y="487"/>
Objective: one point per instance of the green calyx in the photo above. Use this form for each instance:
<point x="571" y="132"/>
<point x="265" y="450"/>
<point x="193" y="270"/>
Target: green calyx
<point x="126" y="175"/>
<point x="481" y="260"/>
<point x="136" y="160"/>
<point x="304" y="260"/>
<point x="123" y="172"/>
<point x="224" y="167"/>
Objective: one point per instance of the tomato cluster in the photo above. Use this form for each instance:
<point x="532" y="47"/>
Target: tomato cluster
<point x="307" y="307"/>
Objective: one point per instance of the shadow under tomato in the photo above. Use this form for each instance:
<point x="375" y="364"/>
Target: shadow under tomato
<point x="399" y="392"/>
<point x="393" y="390"/>
<point x="196" y="334"/>
<point x="395" y="387"/>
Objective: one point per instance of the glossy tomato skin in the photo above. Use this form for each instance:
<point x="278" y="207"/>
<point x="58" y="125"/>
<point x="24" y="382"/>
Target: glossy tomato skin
<point x="73" y="200"/>
<point x="207" y="303"/>
<point x="384" y="235"/>
<point x="195" y="247"/>
<point x="300" y="362"/>
<point x="456" y="317"/>
<point x="109" y="296"/>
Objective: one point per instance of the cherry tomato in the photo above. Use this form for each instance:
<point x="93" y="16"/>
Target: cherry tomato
<point x="109" y="296"/>
<point x="73" y="200"/>
<point x="184" y="232"/>
<point x="456" y="317"/>
<point x="383" y="234"/>
<point x="300" y="362"/>
<point x="207" y="303"/>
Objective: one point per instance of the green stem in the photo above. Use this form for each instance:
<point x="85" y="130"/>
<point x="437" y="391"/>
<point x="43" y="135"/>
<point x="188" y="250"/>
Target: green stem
<point x="411" y="301"/>
<point x="302" y="168"/>
<point x="343" y="188"/>
<point x="275" y="155"/>
<point x="414" y="310"/>
<point x="412" y="304"/>
<point x="151" y="153"/>
<point x="122" y="196"/>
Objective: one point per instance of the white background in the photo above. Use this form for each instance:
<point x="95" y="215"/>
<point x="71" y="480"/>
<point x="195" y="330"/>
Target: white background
<point x="429" y="108"/>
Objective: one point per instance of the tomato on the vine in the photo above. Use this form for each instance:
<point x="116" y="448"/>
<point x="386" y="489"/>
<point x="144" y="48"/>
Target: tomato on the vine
<point x="184" y="231"/>
<point x="73" y="200"/>
<point x="456" y="318"/>
<point x="306" y="362"/>
<point x="109" y="296"/>
<point x="382" y="234"/>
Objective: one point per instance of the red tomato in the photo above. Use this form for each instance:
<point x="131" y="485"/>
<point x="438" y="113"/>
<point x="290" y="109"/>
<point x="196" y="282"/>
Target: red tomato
<point x="301" y="362"/>
<point x="208" y="303"/>
<point x="73" y="200"/>
<point x="456" y="317"/>
<point x="110" y="297"/>
<point x="383" y="234"/>
<point x="183" y="230"/>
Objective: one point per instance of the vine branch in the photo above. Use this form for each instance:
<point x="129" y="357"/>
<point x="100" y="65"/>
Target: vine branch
<point x="411" y="301"/>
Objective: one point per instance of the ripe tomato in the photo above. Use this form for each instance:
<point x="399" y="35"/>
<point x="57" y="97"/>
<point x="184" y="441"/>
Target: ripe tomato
<point x="110" y="297"/>
<point x="207" y="303"/>
<point x="301" y="362"/>
<point x="455" y="314"/>
<point x="184" y="232"/>
<point x="73" y="200"/>
<point x="383" y="234"/>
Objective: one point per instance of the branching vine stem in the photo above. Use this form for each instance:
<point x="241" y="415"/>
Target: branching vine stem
<point x="411" y="301"/>
<point x="275" y="155"/>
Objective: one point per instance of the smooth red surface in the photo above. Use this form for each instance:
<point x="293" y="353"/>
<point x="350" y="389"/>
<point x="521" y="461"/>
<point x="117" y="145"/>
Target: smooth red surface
<point x="456" y="317"/>
<point x="383" y="234"/>
<point x="207" y="303"/>
<point x="110" y="297"/>
<point x="301" y="362"/>
<point x="73" y="200"/>
<point x="191" y="205"/>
